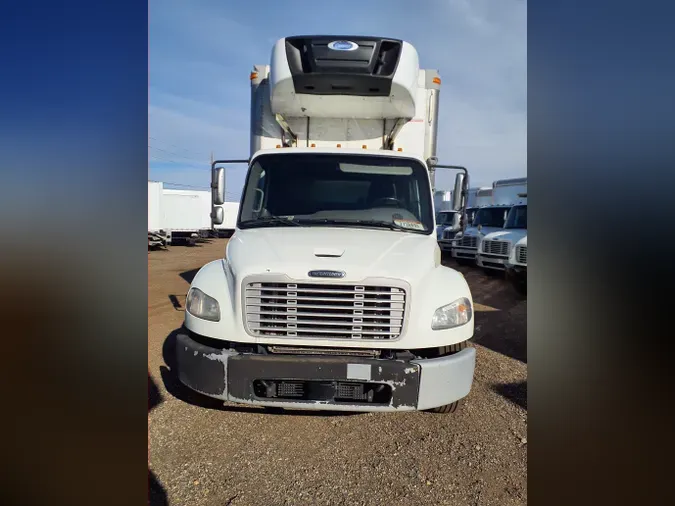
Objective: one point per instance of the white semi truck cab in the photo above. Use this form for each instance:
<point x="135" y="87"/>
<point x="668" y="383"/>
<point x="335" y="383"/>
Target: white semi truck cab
<point x="516" y="266"/>
<point x="496" y="247"/>
<point x="486" y="220"/>
<point x="331" y="293"/>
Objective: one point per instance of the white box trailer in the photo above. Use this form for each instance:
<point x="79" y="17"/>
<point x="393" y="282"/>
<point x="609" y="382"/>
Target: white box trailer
<point x="509" y="192"/>
<point x="157" y="235"/>
<point x="484" y="197"/>
<point x="155" y="191"/>
<point x="334" y="296"/>
<point x="442" y="201"/>
<point x="186" y="214"/>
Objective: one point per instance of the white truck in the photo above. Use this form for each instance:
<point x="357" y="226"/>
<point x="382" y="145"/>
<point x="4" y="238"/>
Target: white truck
<point x="331" y="293"/>
<point x="485" y="220"/>
<point x="186" y="215"/>
<point x="157" y="235"/>
<point x="516" y="266"/>
<point x="496" y="247"/>
<point x="509" y="191"/>
<point x="494" y="204"/>
<point x="447" y="224"/>
<point x="483" y="197"/>
<point x="451" y="230"/>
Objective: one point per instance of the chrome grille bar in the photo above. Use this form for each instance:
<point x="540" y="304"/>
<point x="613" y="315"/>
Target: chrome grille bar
<point x="330" y="311"/>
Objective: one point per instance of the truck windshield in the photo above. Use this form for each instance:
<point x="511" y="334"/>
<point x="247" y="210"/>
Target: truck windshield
<point x="470" y="214"/>
<point x="490" y="217"/>
<point x="517" y="217"/>
<point x="444" y="218"/>
<point x="307" y="189"/>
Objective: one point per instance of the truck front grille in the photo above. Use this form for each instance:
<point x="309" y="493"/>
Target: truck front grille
<point x="496" y="247"/>
<point x="448" y="234"/>
<point x="468" y="241"/>
<point x="308" y="310"/>
<point x="521" y="254"/>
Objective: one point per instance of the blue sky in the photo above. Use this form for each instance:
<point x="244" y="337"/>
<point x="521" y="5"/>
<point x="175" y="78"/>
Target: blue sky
<point x="201" y="53"/>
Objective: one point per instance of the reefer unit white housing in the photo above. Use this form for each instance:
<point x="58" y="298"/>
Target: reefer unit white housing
<point x="307" y="90"/>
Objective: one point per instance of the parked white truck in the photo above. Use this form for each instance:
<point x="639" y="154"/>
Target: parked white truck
<point x="157" y="235"/>
<point x="485" y="220"/>
<point x="331" y="294"/>
<point x="516" y="266"/>
<point x="494" y="204"/>
<point x="496" y="247"/>
<point x="186" y="215"/>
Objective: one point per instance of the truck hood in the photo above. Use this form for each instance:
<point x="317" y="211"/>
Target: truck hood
<point x="360" y="253"/>
<point x="473" y="231"/>
<point x="511" y="235"/>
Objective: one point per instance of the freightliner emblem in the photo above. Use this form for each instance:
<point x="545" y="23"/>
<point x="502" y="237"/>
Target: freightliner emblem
<point x="326" y="274"/>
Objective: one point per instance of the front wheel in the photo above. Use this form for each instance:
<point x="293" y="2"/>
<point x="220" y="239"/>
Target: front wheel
<point x="444" y="350"/>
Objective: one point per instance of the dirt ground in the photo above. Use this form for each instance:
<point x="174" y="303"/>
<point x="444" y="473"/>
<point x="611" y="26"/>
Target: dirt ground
<point x="213" y="454"/>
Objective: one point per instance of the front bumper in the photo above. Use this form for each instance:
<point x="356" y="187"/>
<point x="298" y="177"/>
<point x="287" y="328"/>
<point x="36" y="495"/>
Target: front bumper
<point x="516" y="272"/>
<point x="491" y="261"/>
<point x="324" y="382"/>
<point x="445" y="244"/>
<point x="465" y="253"/>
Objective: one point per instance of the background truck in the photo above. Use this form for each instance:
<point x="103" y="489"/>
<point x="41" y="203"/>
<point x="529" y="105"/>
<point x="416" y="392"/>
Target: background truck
<point x="508" y="192"/>
<point x="157" y="235"/>
<point x="229" y="224"/>
<point x="483" y="198"/>
<point x="485" y="220"/>
<point x="331" y="294"/>
<point x="516" y="266"/>
<point x="495" y="247"/>
<point x="186" y="214"/>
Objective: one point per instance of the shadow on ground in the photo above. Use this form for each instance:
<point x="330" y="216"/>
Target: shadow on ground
<point x="514" y="392"/>
<point x="175" y="388"/>
<point x="498" y="331"/>
<point x="502" y="325"/>
<point x="189" y="275"/>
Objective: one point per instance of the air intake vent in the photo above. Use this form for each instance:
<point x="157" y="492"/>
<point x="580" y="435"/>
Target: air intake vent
<point x="343" y="65"/>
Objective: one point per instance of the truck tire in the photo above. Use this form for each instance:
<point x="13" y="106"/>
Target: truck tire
<point x="444" y="350"/>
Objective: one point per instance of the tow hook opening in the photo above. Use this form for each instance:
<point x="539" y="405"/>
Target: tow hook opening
<point x="331" y="391"/>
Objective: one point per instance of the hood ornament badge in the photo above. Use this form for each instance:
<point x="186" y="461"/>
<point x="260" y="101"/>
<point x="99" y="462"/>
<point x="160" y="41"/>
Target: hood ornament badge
<point x="326" y="274"/>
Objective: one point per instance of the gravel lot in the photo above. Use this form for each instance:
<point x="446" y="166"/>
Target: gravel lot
<point x="208" y="453"/>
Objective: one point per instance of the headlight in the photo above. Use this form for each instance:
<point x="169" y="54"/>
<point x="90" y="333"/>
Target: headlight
<point x="202" y="306"/>
<point x="453" y="315"/>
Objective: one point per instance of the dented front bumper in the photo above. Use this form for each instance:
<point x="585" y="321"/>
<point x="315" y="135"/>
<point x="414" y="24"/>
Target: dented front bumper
<point x="324" y="382"/>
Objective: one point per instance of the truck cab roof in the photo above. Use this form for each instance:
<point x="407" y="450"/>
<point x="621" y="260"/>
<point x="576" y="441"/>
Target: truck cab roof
<point x="336" y="150"/>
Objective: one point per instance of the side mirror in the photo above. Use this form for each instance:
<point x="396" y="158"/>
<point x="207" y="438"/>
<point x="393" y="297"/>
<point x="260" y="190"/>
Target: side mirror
<point x="219" y="187"/>
<point x="258" y="202"/>
<point x="455" y="225"/>
<point x="458" y="192"/>
<point x="217" y="215"/>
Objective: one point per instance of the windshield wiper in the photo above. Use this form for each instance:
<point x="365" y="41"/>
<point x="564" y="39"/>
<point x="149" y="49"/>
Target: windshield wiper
<point x="272" y="219"/>
<point x="368" y="223"/>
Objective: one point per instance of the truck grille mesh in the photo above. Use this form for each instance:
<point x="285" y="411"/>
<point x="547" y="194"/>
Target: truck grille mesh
<point x="521" y="254"/>
<point x="308" y="310"/>
<point x="496" y="247"/>
<point x="468" y="241"/>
